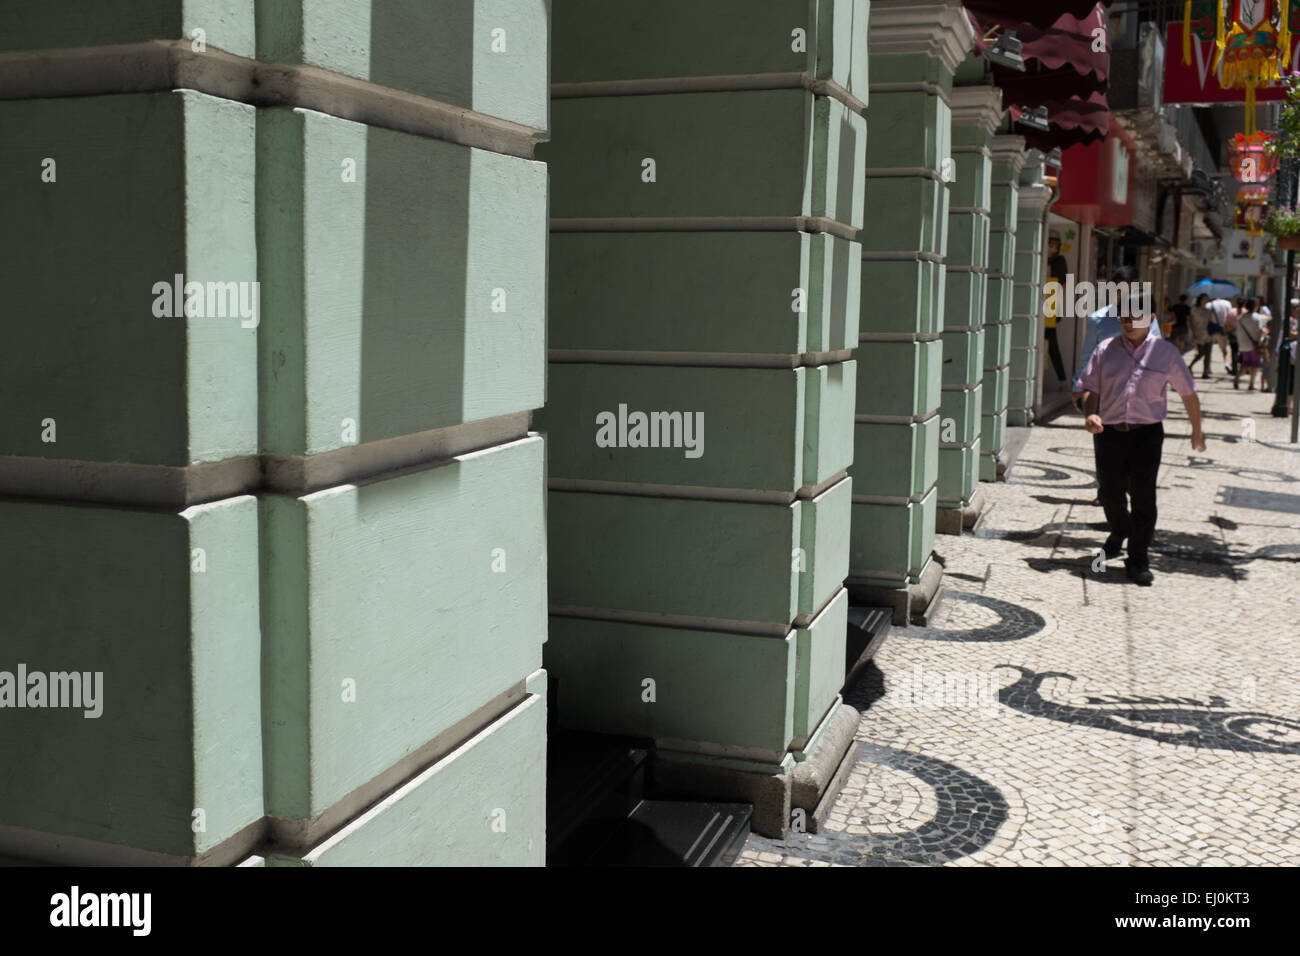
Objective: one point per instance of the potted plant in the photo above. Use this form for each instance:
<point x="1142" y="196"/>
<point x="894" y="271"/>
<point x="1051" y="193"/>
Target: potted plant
<point x="1283" y="222"/>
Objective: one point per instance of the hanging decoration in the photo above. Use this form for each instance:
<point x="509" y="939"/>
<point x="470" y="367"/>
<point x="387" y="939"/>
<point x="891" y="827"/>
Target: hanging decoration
<point x="1199" y="19"/>
<point x="1251" y="159"/>
<point x="1248" y="213"/>
<point x="1249" y="37"/>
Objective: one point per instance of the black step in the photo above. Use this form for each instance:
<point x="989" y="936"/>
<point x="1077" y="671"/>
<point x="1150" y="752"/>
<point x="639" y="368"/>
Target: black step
<point x="677" y="833"/>
<point x="593" y="781"/>
<point x="868" y="628"/>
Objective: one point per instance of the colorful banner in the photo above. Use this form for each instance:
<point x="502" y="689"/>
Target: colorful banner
<point x="1198" y="83"/>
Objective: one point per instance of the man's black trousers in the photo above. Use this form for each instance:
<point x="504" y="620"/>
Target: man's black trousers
<point x="1127" y="464"/>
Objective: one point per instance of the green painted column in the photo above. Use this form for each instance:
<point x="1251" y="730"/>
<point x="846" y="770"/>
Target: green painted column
<point x="1027" y="295"/>
<point x="706" y="198"/>
<point x="976" y="112"/>
<point x="1008" y="157"/>
<point x="283" y="591"/>
<point x="915" y="49"/>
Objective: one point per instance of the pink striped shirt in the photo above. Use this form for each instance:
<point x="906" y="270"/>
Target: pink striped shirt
<point x="1131" y="382"/>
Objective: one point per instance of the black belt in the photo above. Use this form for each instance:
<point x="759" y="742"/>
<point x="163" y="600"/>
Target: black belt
<point x="1130" y="426"/>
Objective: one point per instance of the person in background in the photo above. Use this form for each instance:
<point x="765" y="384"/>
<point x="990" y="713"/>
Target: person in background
<point x="1286" y="339"/>
<point x="1124" y="386"/>
<point x="1230" y="333"/>
<point x="1219" y="309"/>
<point x="1268" y="368"/>
<point x="1057" y="268"/>
<point x="1182" y="314"/>
<point x="1248" y="334"/>
<point x="1199" y="323"/>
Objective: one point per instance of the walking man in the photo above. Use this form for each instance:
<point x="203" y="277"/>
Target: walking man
<point x="1102" y="325"/>
<point x="1124" y="391"/>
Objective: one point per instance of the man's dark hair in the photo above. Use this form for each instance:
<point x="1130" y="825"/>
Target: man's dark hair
<point x="1124" y="274"/>
<point x="1183" y="297"/>
<point x="1252" y="304"/>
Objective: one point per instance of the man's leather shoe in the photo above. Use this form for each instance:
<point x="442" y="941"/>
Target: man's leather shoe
<point x="1138" y="574"/>
<point x="1114" y="544"/>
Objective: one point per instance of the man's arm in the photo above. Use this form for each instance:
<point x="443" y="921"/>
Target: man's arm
<point x="1092" y="420"/>
<point x="1089" y="346"/>
<point x="1193" y="405"/>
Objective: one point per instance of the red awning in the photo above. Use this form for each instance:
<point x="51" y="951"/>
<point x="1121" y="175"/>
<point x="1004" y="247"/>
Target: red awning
<point x="1040" y="13"/>
<point x="1074" y="121"/>
<point x="1060" y="56"/>
<point x="1063" y="71"/>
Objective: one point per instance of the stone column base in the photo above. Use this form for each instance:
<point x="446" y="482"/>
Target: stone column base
<point x="811" y="785"/>
<point x="910" y="603"/>
<point x="957" y="520"/>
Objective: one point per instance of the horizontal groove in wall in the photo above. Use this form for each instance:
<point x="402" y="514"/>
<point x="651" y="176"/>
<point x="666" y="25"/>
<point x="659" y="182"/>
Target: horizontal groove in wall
<point x="644" y="489"/>
<point x="676" y="621"/>
<point x="70" y="481"/>
<point x="898" y="500"/>
<point x="865" y="338"/>
<point x="697" y="359"/>
<point x="721" y="83"/>
<point x="300" y="836"/>
<point x="903" y="172"/>
<point x="302" y="474"/>
<point x="813" y="224"/>
<point x="895" y="419"/>
<point x="56" y="849"/>
<point x="157" y="65"/>
<point x="901" y="257"/>
<point x="871" y="577"/>
<point x="933" y="89"/>
<point x="977" y="210"/>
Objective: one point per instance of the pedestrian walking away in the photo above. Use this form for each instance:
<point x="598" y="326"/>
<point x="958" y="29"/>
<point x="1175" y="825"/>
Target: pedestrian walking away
<point x="1125" y="387"/>
<point x="1220" y="309"/>
<point x="1200" y="329"/>
<point x="1249" y="333"/>
<point x="1230" y="333"/>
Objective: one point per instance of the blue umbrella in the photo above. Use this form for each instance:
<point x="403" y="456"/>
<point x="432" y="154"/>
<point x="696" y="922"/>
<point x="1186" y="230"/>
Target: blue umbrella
<point x="1214" y="288"/>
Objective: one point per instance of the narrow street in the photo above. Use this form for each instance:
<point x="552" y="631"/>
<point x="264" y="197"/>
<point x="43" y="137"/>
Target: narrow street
<point x="1054" y="715"/>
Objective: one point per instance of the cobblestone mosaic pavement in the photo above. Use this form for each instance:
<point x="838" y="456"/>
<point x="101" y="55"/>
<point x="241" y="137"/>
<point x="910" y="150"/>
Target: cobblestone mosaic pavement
<point x="1053" y="714"/>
